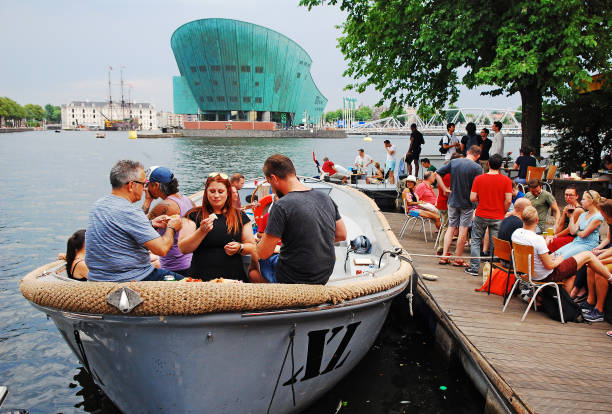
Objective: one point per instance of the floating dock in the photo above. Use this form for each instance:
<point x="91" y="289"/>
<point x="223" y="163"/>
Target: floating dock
<point x="535" y="366"/>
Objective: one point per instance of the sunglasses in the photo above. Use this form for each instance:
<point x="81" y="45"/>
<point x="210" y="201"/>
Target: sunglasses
<point x="222" y="175"/>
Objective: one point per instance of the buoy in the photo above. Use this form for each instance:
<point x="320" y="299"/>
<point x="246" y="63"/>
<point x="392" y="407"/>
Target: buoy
<point x="367" y="138"/>
<point x="133" y="135"/>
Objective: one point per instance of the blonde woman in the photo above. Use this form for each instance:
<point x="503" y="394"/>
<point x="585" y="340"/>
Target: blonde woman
<point x="584" y="224"/>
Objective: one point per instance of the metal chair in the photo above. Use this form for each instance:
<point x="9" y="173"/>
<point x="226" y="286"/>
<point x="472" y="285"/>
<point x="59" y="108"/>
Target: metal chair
<point x="414" y="220"/>
<point x="502" y="250"/>
<point x="523" y="263"/>
<point x="550" y="176"/>
<point x="533" y="173"/>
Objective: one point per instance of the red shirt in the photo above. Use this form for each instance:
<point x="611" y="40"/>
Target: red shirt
<point x="443" y="198"/>
<point x="328" y="167"/>
<point x="425" y="193"/>
<point x="491" y="190"/>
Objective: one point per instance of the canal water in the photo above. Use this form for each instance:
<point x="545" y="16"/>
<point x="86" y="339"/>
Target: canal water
<point x="49" y="182"/>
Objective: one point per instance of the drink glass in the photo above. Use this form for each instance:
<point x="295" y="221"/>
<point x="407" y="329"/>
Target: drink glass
<point x="551" y="231"/>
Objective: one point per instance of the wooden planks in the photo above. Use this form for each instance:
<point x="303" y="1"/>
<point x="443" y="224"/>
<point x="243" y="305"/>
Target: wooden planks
<point x="552" y="367"/>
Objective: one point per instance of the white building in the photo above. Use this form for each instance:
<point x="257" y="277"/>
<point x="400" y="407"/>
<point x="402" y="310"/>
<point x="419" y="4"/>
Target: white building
<point x="169" y="120"/>
<point x="91" y="115"/>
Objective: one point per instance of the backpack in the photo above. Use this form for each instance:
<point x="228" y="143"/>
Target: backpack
<point x="607" y="310"/>
<point x="441" y="144"/>
<point x="571" y="310"/>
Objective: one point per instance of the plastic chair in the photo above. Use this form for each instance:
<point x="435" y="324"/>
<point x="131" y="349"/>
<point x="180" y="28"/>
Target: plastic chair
<point x="550" y="176"/>
<point x="523" y="263"/>
<point x="501" y="250"/>
<point x="533" y="173"/>
<point x="414" y="220"/>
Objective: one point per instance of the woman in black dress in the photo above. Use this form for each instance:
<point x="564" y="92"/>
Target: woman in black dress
<point x="217" y="234"/>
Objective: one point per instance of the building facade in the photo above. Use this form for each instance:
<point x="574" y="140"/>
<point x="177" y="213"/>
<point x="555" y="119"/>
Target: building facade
<point x="91" y="115"/>
<point x="234" y="70"/>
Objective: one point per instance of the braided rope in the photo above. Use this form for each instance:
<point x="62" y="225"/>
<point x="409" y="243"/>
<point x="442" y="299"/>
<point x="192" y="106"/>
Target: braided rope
<point x="176" y="298"/>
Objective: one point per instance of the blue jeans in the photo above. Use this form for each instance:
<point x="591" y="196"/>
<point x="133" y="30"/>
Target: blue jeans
<point x="267" y="268"/>
<point x="158" y="275"/>
<point x="519" y="180"/>
<point x="479" y="228"/>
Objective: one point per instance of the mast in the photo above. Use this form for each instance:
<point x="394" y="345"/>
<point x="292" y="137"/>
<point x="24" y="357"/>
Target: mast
<point x="122" y="100"/>
<point x="110" y="94"/>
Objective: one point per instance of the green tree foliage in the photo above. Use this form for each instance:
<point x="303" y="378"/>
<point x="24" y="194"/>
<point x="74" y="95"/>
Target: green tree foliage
<point x="35" y="112"/>
<point x="426" y="112"/>
<point x="53" y="114"/>
<point x="11" y="111"/>
<point x="414" y="52"/>
<point x="585" y="127"/>
<point x="363" y="113"/>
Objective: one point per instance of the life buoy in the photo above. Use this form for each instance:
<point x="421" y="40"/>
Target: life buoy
<point x="260" y="208"/>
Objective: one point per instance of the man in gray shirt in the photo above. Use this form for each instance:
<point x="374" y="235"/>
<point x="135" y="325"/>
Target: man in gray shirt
<point x="307" y="222"/>
<point x="119" y="236"/>
<point x="498" y="140"/>
<point x="463" y="171"/>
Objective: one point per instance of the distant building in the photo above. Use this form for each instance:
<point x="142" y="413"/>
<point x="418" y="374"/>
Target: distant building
<point x="171" y="120"/>
<point x="238" y="71"/>
<point x="91" y="115"/>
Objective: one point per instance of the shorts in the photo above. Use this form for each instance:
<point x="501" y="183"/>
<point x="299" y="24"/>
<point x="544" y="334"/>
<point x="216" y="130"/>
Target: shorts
<point x="460" y="217"/>
<point x="565" y="270"/>
<point x="412" y="157"/>
<point x="390" y="165"/>
<point x="414" y="213"/>
<point x="267" y="268"/>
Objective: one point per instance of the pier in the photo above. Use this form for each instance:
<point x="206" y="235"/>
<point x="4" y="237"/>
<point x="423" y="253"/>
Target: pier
<point x="535" y="366"/>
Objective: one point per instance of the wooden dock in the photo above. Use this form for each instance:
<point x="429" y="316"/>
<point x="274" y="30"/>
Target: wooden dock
<point x="539" y="365"/>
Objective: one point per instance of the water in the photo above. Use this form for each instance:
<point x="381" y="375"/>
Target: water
<point x="49" y="182"/>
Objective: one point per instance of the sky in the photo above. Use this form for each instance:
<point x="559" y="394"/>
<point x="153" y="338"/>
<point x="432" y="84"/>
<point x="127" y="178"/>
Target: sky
<point x="59" y="51"/>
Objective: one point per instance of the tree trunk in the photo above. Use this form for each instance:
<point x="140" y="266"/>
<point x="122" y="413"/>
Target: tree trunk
<point x="531" y="119"/>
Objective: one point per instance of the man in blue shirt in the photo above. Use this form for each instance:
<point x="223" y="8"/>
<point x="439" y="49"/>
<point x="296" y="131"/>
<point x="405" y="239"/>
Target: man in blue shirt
<point x="523" y="162"/>
<point x="119" y="236"/>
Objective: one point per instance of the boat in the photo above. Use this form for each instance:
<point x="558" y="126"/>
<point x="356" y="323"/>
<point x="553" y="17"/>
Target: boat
<point x="57" y="131"/>
<point x="100" y="134"/>
<point x="230" y="347"/>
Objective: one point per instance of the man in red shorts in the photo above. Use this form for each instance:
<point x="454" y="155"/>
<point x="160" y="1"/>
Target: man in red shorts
<point x="550" y="268"/>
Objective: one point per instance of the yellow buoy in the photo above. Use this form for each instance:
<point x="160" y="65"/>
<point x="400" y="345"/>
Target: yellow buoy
<point x="133" y="135"/>
<point x="368" y="138"/>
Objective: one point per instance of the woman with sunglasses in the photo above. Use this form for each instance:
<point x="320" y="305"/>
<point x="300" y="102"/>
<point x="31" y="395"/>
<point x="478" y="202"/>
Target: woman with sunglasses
<point x="217" y="234"/>
<point x="585" y="228"/>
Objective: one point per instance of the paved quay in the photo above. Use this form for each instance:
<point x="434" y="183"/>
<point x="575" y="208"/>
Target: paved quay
<point x="539" y="365"/>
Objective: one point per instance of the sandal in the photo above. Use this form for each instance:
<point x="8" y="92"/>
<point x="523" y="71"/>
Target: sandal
<point x="444" y="261"/>
<point x="460" y="263"/>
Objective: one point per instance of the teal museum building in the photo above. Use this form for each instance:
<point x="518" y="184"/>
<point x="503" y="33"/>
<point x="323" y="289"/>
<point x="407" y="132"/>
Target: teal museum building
<point x="239" y="75"/>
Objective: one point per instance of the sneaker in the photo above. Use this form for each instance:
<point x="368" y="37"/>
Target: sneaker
<point x="472" y="271"/>
<point x="586" y="307"/>
<point x="594" y="315"/>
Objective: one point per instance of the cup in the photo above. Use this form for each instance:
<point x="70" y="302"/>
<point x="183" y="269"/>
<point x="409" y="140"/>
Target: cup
<point x="550" y="231"/>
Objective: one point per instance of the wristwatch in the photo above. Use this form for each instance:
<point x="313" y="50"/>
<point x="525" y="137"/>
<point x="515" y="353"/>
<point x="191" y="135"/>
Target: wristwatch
<point x="240" y="250"/>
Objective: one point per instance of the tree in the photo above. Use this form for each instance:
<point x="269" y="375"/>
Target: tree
<point x="363" y="113"/>
<point x="53" y="114"/>
<point x="585" y="126"/>
<point x="413" y="51"/>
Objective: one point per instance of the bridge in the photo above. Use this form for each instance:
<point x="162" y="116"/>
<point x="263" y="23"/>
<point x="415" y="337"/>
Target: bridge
<point x="436" y="125"/>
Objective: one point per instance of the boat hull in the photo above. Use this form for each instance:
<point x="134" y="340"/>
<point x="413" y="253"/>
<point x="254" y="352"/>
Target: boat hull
<point x="224" y="363"/>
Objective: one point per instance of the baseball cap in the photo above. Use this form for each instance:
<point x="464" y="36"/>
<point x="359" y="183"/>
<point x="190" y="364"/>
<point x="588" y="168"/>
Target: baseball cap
<point x="159" y="174"/>
<point x="411" y="178"/>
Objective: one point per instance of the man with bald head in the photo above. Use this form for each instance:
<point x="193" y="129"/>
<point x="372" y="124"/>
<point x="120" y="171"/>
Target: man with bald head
<point x="513" y="220"/>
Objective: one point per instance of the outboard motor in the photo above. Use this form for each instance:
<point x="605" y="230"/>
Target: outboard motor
<point x="361" y="245"/>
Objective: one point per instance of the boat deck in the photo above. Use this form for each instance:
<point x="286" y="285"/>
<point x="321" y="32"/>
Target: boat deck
<point x="539" y="365"/>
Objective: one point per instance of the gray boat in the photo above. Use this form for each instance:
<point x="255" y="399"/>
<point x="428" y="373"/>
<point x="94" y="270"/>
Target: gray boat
<point x="230" y="347"/>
